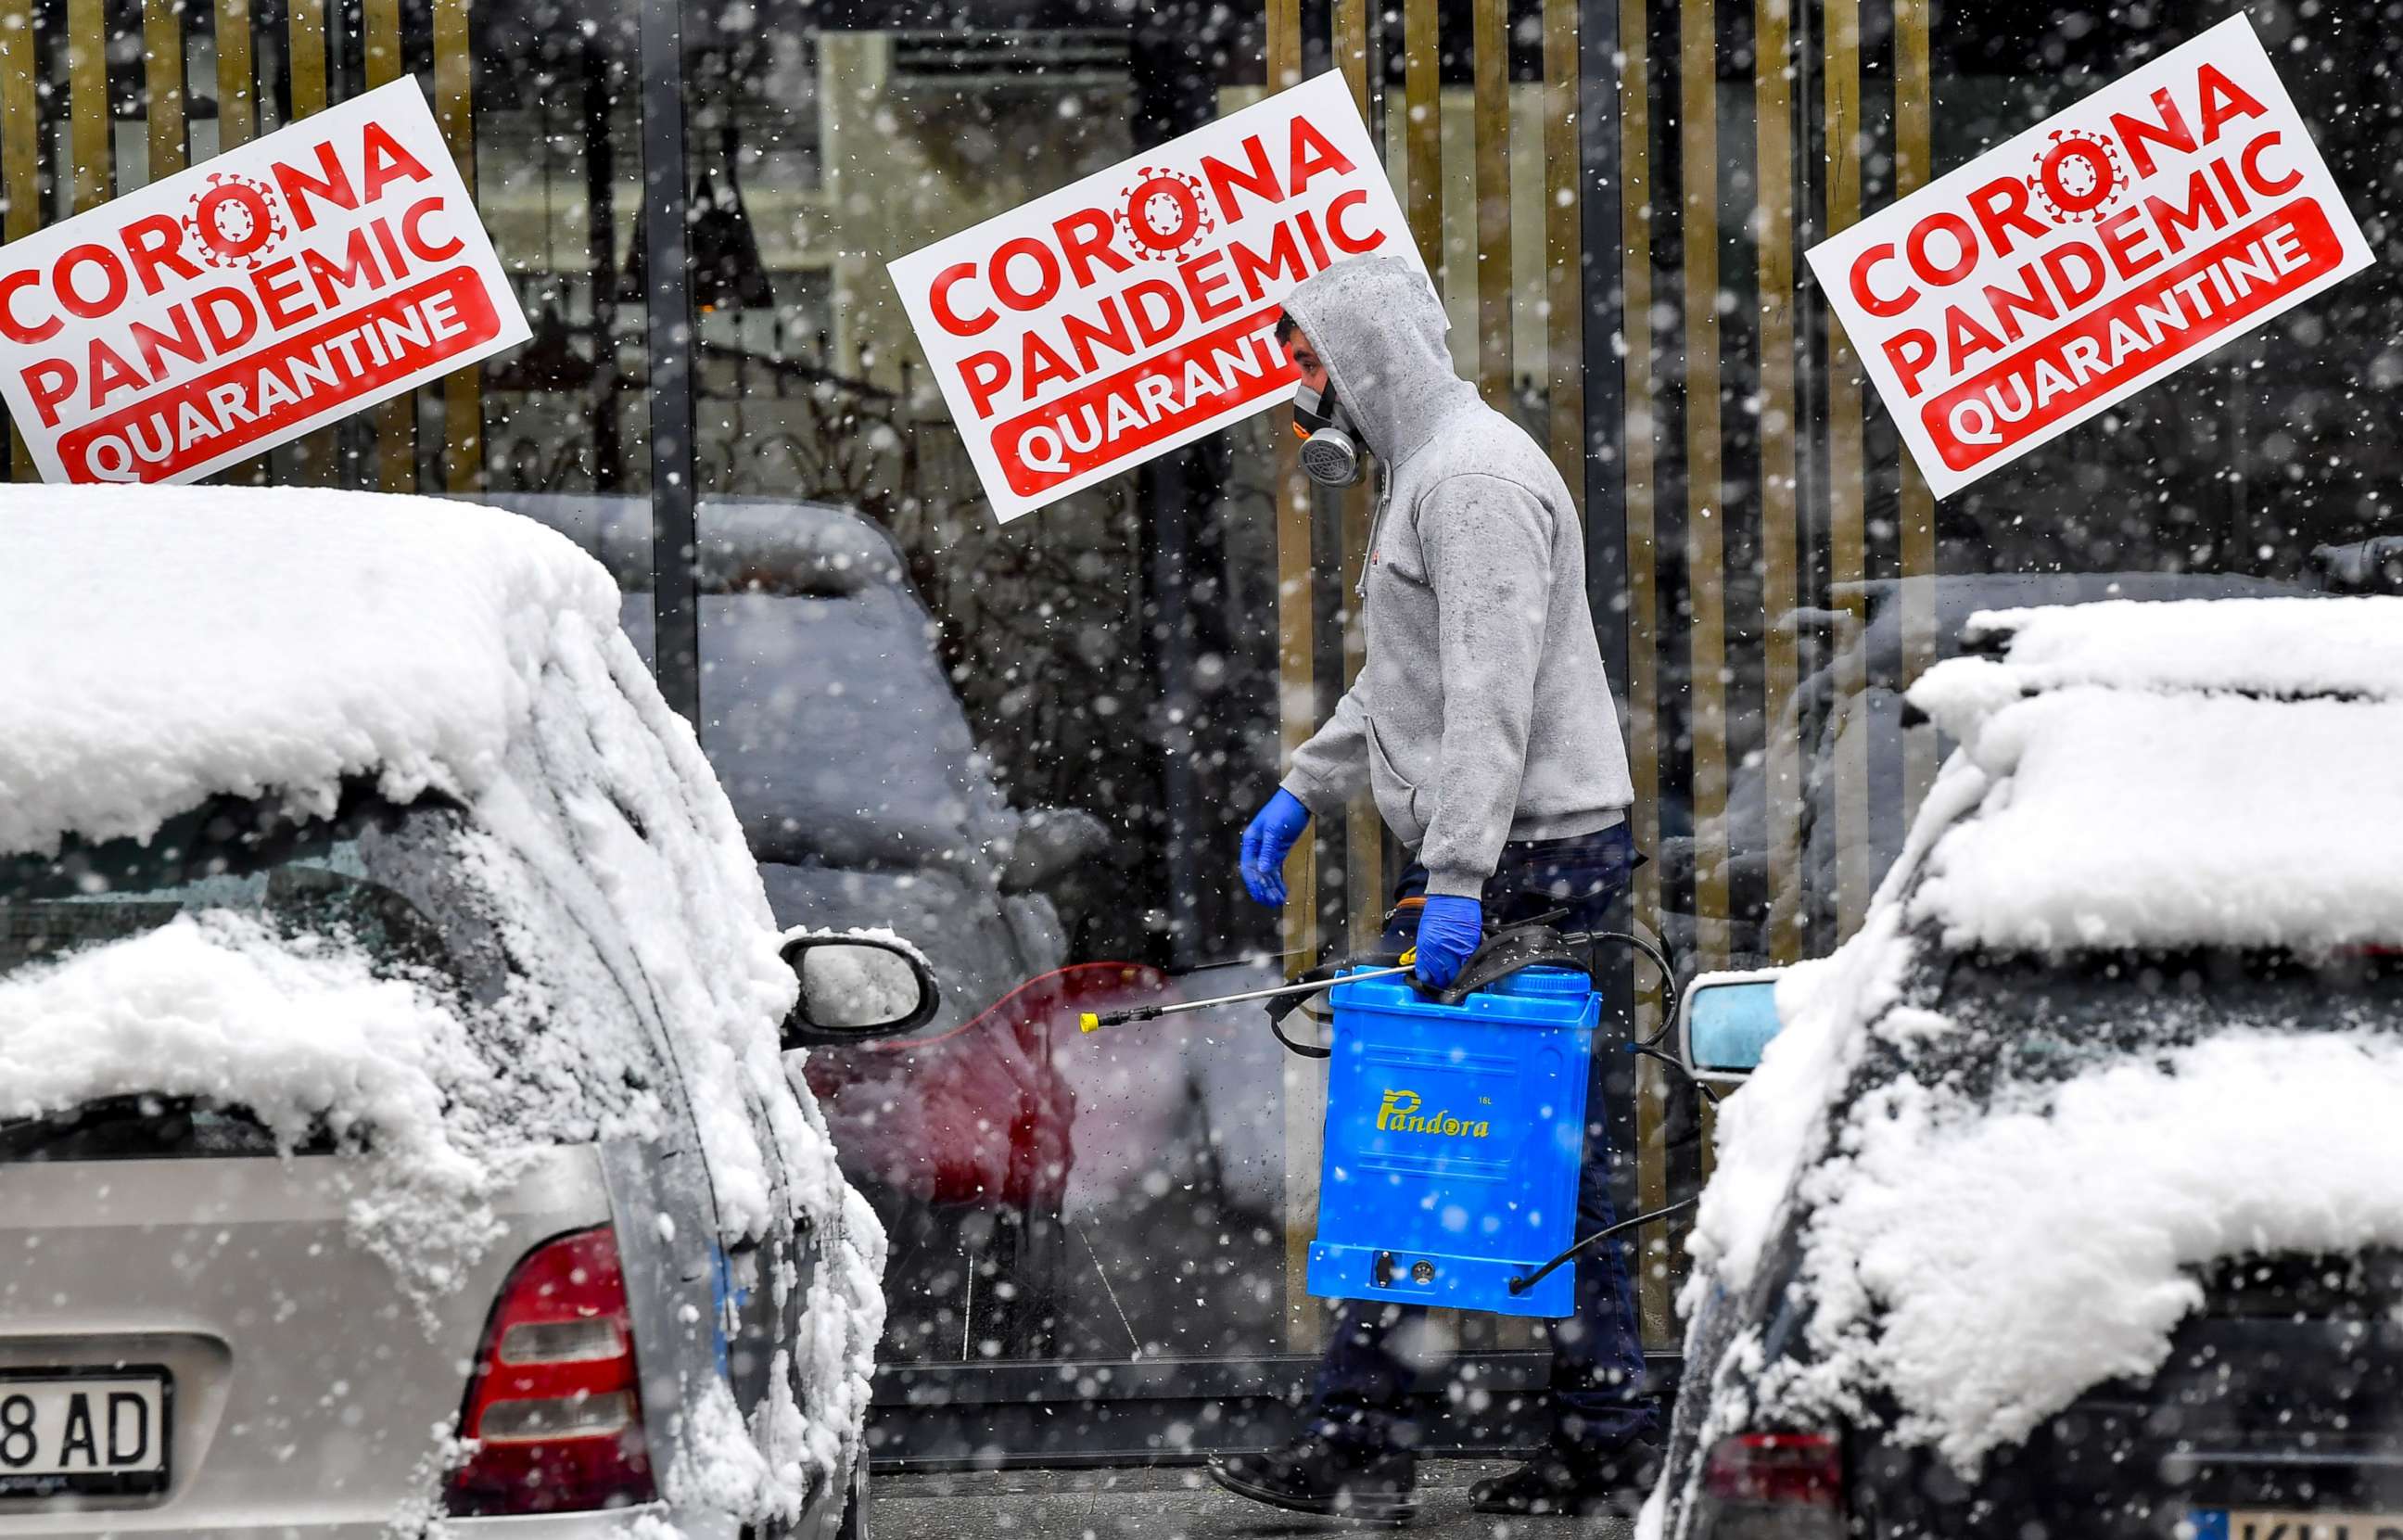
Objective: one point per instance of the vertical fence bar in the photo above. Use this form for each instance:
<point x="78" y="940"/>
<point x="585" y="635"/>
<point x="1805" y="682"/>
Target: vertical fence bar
<point x="237" y="84"/>
<point x="1364" y="830"/>
<point x="1490" y="118"/>
<point x="1914" y="163"/>
<point x="1423" y="129"/>
<point x="88" y="118"/>
<point x="1847" y="531"/>
<point x="1642" y="607"/>
<point x="396" y="418"/>
<point x="162" y="76"/>
<point x="668" y="332"/>
<point x="1563" y="244"/>
<point x="21" y="172"/>
<point x="312" y="454"/>
<point x="463" y="392"/>
<point x="1705" y="519"/>
<point x="1772" y="93"/>
<point x="1296" y="720"/>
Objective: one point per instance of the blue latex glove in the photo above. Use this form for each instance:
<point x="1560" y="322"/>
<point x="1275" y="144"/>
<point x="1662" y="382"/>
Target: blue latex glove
<point x="1267" y="841"/>
<point x="1450" y="927"/>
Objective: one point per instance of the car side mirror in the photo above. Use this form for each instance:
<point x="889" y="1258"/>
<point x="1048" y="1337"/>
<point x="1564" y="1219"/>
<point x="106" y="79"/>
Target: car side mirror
<point x="1723" y="1022"/>
<point x="855" y="988"/>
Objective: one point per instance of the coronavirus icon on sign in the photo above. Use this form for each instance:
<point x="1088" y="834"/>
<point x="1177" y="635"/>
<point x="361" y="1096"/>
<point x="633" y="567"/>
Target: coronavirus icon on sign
<point x="233" y="222"/>
<point x="1162" y="214"/>
<point x="2077" y="176"/>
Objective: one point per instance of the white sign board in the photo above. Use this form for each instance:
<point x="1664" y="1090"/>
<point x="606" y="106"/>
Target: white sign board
<point x="2119" y="241"/>
<point x="227" y="309"/>
<point x="1080" y="335"/>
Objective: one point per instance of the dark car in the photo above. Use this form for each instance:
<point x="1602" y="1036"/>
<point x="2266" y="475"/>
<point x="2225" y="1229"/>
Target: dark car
<point x="2063" y="1201"/>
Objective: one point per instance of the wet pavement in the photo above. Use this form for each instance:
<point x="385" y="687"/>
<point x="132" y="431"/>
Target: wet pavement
<point x="1177" y="1503"/>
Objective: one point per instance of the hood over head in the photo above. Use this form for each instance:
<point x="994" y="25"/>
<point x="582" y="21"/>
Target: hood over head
<point x="1379" y="326"/>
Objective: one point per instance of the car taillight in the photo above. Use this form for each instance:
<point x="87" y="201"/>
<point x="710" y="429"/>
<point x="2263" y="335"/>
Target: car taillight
<point x="1776" y="1486"/>
<point x="554" y="1409"/>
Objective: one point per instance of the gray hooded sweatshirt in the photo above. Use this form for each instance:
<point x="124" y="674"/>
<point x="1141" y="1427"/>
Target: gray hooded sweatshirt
<point x="1482" y="714"/>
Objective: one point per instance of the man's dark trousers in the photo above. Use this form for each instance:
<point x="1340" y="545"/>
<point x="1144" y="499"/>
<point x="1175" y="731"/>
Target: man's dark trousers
<point x="1597" y="1380"/>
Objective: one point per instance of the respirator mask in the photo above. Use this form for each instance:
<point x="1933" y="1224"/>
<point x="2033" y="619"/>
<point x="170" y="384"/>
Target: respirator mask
<point x="1331" y="454"/>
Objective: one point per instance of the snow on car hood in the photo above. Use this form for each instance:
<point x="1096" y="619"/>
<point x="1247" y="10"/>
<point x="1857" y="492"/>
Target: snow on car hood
<point x="198" y="639"/>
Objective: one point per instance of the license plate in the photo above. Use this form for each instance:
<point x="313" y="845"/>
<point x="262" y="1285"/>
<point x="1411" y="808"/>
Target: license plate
<point x="2247" y="1524"/>
<point x="67" y="1431"/>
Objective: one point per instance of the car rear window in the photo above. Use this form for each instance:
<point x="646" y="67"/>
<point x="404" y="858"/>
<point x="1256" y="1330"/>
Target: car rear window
<point x="379" y="874"/>
<point x="2017" y="1019"/>
<point x="143" y="1127"/>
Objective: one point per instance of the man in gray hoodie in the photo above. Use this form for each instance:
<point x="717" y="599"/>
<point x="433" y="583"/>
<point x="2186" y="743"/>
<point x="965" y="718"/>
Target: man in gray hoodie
<point x="1483" y="724"/>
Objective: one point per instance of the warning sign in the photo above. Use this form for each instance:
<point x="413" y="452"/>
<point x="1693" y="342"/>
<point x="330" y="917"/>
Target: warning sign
<point x="228" y="308"/>
<point x="2179" y="207"/>
<point x="1079" y="335"/>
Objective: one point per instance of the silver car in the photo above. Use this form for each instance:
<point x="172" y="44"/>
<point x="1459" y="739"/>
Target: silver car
<point x="240" y="1291"/>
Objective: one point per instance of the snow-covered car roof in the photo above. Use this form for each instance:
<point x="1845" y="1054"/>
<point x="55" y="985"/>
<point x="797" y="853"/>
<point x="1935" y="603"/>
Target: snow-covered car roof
<point x="187" y="642"/>
<point x="2173" y="775"/>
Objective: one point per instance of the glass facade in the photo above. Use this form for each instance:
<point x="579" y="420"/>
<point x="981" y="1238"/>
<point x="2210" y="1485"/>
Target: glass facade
<point x="1031" y="748"/>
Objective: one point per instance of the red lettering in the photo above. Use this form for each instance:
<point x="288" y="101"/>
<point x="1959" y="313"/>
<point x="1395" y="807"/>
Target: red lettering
<point x="1084" y="238"/>
<point x="1345" y="241"/>
<point x="156" y="241"/>
<point x="110" y="373"/>
<point x="1111" y="329"/>
<point x="1311" y="155"/>
<point x="2251" y="164"/>
<point x="184" y="344"/>
<point x="112" y="277"/>
<point x="1155" y="329"/>
<point x="12" y="329"/>
<point x="1205" y="291"/>
<point x="299" y="187"/>
<point x="938" y="299"/>
<point x="2074" y="294"/>
<point x="1964" y="338"/>
<point x="1040" y="364"/>
<point x="984" y="374"/>
<point x="278" y="285"/>
<point x="1226" y="180"/>
<point x="2001" y="207"/>
<point x="2121" y="234"/>
<point x="2201" y="210"/>
<point x="1964" y="249"/>
<point x="1867" y="298"/>
<point x="2034" y="299"/>
<point x="359" y="267"/>
<point x="2135" y="134"/>
<point x="2222" y="99"/>
<point x="410" y="231"/>
<point x="1004" y="287"/>
<point x="49" y="382"/>
<point x="1910" y="351"/>
<point x="387" y="162"/>
<point x="225" y="335"/>
<point x="1284" y="259"/>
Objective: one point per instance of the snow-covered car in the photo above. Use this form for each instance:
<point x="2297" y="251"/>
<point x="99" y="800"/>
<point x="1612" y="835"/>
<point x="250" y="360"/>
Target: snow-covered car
<point x="396" y="1127"/>
<point x="2064" y="1200"/>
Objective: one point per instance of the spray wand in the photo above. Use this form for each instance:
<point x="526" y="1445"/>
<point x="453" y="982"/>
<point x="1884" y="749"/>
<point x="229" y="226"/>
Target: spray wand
<point x="1094" y="1021"/>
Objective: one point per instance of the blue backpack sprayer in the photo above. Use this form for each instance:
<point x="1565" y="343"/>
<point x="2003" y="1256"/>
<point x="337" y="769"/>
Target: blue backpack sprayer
<point x="1455" y="1121"/>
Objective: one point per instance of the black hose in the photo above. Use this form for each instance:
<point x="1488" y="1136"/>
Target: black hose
<point x="1521" y="1285"/>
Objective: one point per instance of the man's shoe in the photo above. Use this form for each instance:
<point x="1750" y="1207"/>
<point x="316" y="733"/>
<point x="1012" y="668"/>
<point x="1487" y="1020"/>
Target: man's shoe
<point x="1566" y="1479"/>
<point x="1312" y="1475"/>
